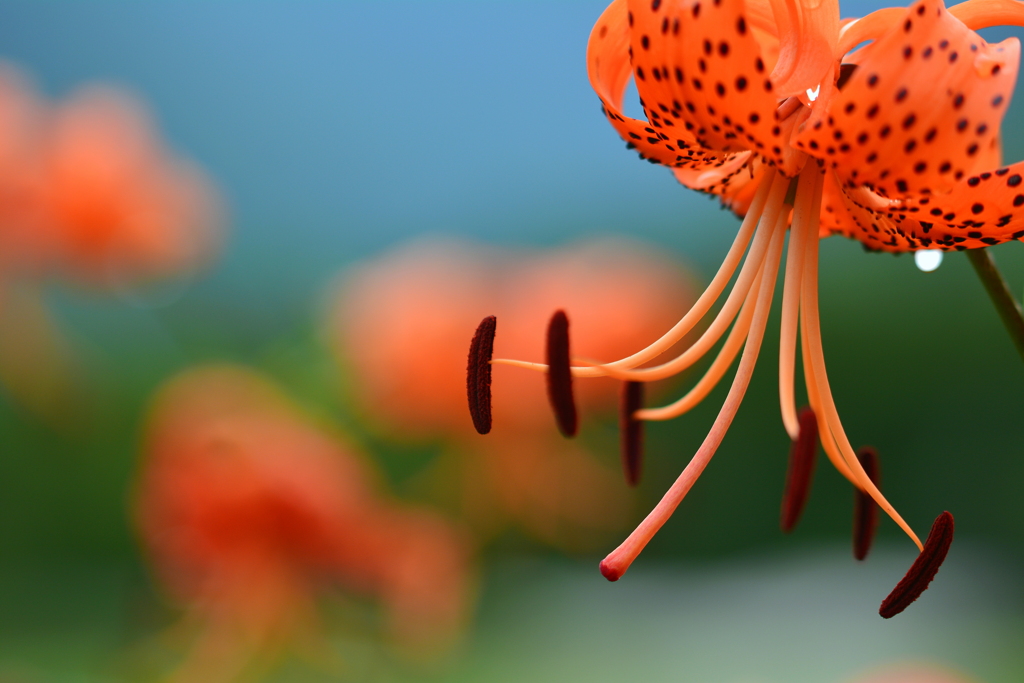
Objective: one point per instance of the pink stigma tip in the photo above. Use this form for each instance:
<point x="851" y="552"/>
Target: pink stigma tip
<point x="611" y="572"/>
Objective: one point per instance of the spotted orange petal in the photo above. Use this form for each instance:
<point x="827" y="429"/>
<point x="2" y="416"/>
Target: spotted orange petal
<point x="609" y="70"/>
<point x="927" y="97"/>
<point x="721" y="178"/>
<point x="866" y="217"/>
<point x="735" y="188"/>
<point x="985" y="209"/>
<point x="699" y="65"/>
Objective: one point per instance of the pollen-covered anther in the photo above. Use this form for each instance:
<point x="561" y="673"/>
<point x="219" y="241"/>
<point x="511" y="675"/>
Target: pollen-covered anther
<point x="923" y="570"/>
<point x="631" y="431"/>
<point x="865" y="510"/>
<point x="560" y="375"/>
<point x="478" y="374"/>
<point x="802" y="458"/>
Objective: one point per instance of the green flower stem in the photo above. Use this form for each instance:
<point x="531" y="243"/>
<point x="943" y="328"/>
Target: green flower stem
<point x="1009" y="309"/>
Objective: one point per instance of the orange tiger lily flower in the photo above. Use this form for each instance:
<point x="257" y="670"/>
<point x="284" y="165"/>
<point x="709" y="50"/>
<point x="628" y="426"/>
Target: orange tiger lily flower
<point x="768" y="105"/>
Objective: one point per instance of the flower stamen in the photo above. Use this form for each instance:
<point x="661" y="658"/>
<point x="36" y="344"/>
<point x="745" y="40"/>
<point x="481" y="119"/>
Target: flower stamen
<point x="776" y="212"/>
<point x="805" y="206"/>
<point x="923" y="570"/>
<point x="802" y="459"/>
<point x="478" y="374"/>
<point x="828" y="416"/>
<point x="632" y="431"/>
<point x="559" y="375"/>
<point x="616" y="563"/>
<point x="865" y="512"/>
<point x="726" y="355"/>
<point x="696" y="312"/>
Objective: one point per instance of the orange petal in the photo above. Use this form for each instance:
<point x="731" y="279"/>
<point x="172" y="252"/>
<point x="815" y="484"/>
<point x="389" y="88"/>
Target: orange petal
<point x="809" y="33"/>
<point x="760" y="15"/>
<point x="977" y="14"/>
<point x="868" y="27"/>
<point x="735" y="188"/>
<point x="926" y="99"/>
<point x="661" y="140"/>
<point x="860" y="215"/>
<point x="984" y="209"/>
<point x="720" y="178"/>
<point x="699" y="65"/>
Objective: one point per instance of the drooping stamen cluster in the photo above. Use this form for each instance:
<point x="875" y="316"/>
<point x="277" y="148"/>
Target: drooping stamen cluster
<point x="779" y="203"/>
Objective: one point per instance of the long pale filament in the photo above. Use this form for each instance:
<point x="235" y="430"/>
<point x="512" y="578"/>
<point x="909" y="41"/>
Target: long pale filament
<point x="828" y="442"/>
<point x="775" y="211"/>
<point x="703" y="303"/>
<point x="722" y="361"/>
<point x="805" y="196"/>
<point x="619" y="560"/>
<point x="828" y="416"/>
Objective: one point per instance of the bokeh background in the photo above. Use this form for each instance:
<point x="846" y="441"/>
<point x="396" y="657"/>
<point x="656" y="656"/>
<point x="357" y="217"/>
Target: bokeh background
<point x="339" y="131"/>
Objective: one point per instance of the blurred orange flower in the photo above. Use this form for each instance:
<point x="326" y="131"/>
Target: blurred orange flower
<point x="249" y="511"/>
<point x="399" y="324"/>
<point x="88" y="193"/>
<point x="120" y="207"/>
<point x="22" y="117"/>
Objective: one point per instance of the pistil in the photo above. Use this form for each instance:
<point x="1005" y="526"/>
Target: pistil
<point x="616" y="564"/>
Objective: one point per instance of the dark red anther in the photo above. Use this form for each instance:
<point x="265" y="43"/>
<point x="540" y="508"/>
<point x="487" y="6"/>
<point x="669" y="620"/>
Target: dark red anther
<point x="865" y="510"/>
<point x="560" y="374"/>
<point x="923" y="570"/>
<point x="802" y="457"/>
<point x="478" y="374"/>
<point x="631" y="431"/>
